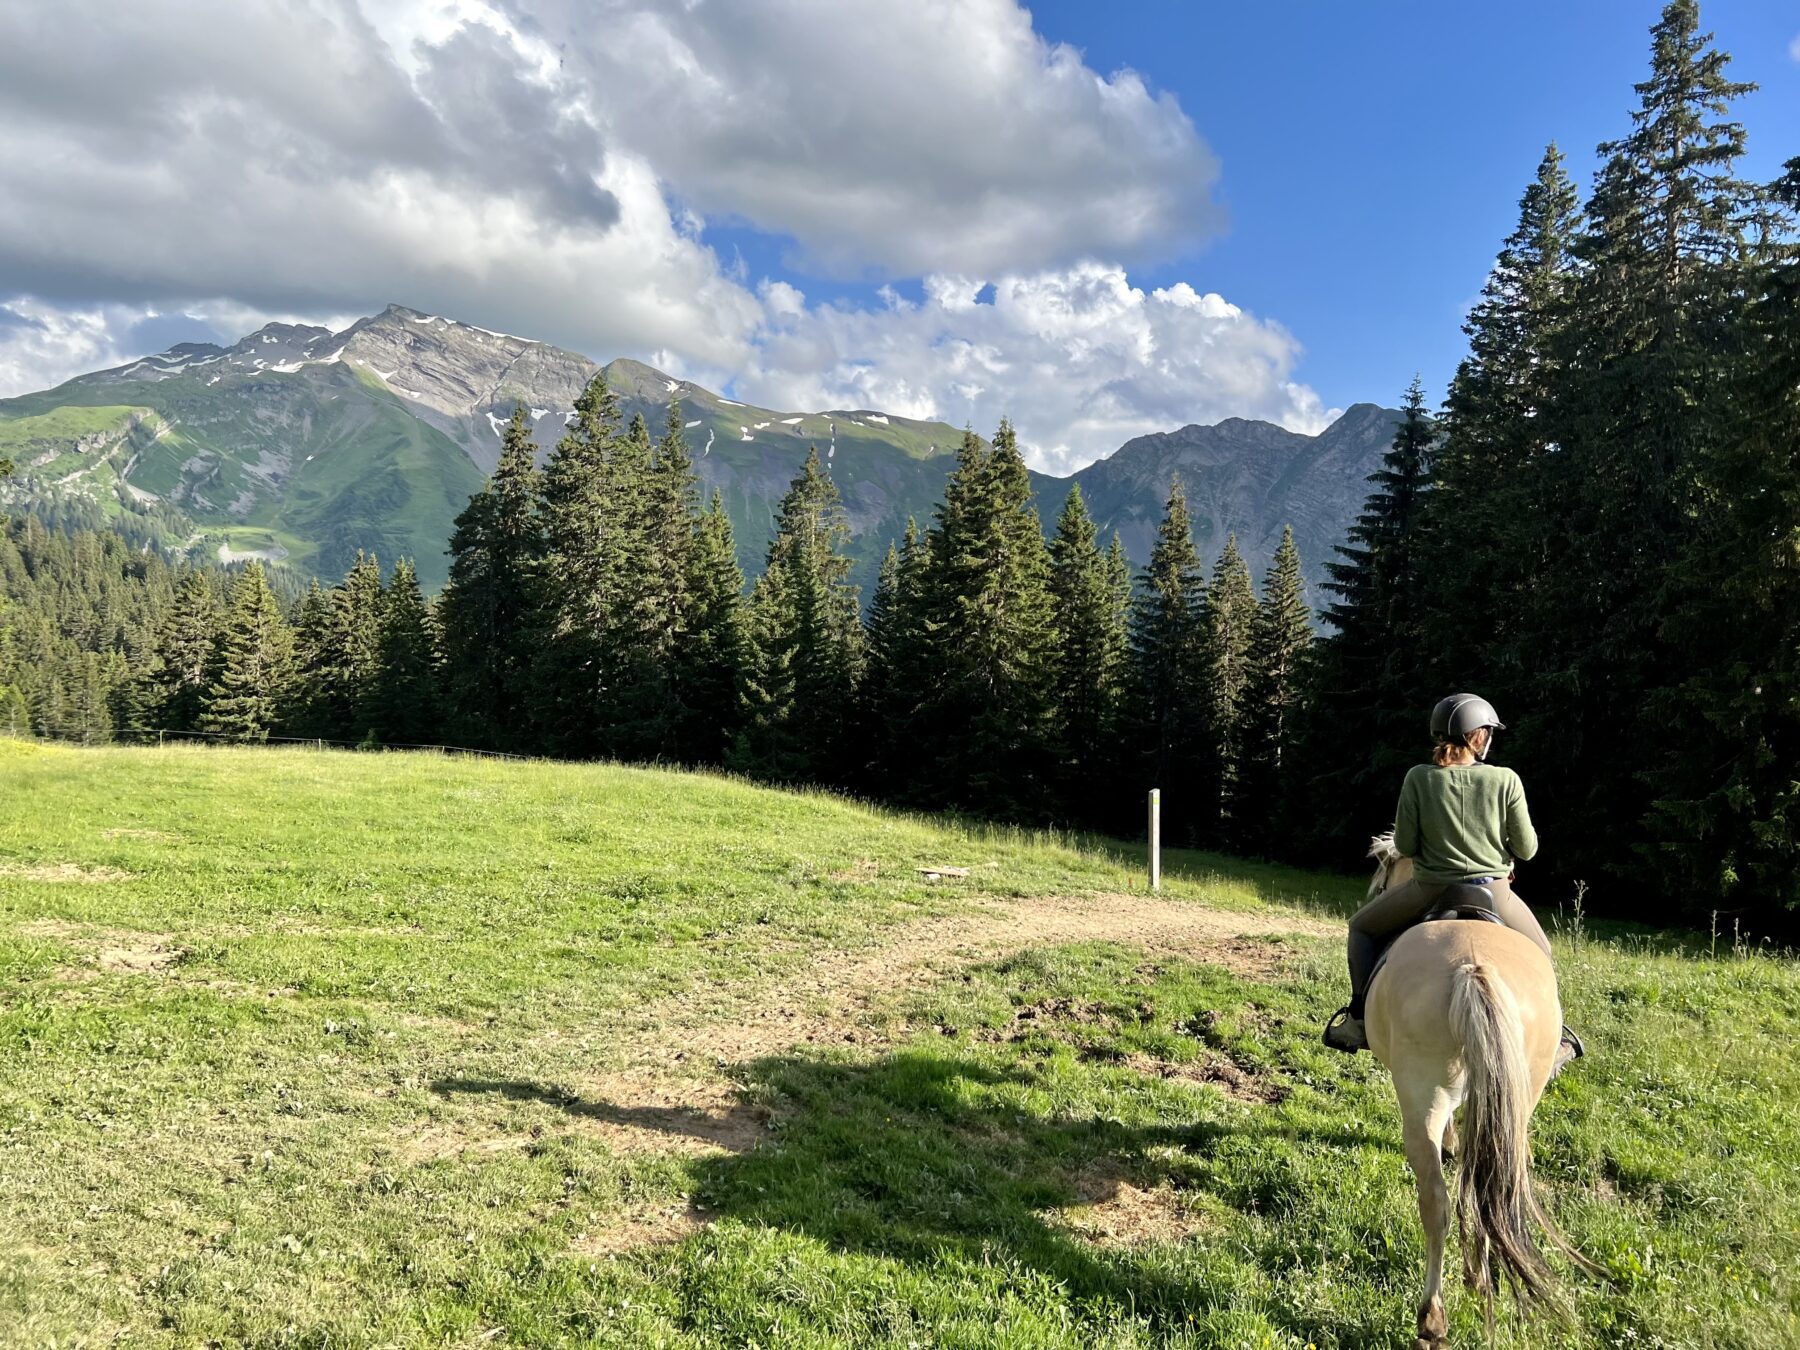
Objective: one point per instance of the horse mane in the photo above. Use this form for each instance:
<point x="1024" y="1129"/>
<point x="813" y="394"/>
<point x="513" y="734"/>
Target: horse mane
<point x="1381" y="847"/>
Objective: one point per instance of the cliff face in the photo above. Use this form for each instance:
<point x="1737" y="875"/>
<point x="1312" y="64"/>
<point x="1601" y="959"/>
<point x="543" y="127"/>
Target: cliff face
<point x="1245" y="478"/>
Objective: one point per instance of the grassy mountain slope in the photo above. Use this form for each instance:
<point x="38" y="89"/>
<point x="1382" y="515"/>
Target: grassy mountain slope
<point x="318" y="1048"/>
<point x="304" y="444"/>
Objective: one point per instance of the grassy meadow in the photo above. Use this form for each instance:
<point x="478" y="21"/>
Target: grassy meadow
<point x="326" y="1049"/>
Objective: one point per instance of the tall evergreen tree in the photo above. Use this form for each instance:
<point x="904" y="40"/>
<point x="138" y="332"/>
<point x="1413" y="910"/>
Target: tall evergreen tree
<point x="486" y="610"/>
<point x="1724" y="832"/>
<point x="988" y="721"/>
<point x="1365" y="726"/>
<point x="711" y="660"/>
<point x="1087" y="662"/>
<point x="898" y="675"/>
<point x="804" y="640"/>
<point x="577" y="585"/>
<point x="1167" y="646"/>
<point x="1493" y="520"/>
<point x="1280" y="647"/>
<point x="1656" y="327"/>
<point x="253" y="662"/>
<point x="403" y="698"/>
<point x="183" y="671"/>
<point x="1230" y="621"/>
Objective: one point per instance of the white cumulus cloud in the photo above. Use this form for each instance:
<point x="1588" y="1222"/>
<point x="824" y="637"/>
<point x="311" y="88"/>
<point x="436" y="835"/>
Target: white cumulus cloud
<point x="1079" y="358"/>
<point x="550" y="167"/>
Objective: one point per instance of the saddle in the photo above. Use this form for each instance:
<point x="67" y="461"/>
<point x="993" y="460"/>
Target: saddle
<point x="1465" y="900"/>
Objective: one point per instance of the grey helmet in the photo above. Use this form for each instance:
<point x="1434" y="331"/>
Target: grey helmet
<point x="1460" y="716"/>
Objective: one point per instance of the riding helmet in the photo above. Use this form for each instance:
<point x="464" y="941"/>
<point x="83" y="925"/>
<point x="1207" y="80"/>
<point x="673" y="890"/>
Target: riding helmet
<point x="1460" y="716"/>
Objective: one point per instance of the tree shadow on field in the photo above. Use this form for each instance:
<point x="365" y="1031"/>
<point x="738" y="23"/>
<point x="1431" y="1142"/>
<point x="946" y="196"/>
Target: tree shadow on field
<point x="933" y="1159"/>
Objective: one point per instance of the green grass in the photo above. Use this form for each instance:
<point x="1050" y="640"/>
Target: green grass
<point x="343" y="961"/>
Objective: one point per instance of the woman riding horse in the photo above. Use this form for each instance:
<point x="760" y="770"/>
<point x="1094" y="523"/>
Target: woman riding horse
<point x="1463" y="822"/>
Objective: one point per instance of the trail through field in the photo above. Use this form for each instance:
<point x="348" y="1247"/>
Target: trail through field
<point x="838" y="988"/>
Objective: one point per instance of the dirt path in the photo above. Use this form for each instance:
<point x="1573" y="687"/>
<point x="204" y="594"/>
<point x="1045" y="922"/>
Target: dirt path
<point x="671" y="1089"/>
<point x="840" y="987"/>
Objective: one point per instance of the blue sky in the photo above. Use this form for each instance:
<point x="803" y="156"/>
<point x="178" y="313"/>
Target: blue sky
<point x="1097" y="220"/>
<point x="1373" y="155"/>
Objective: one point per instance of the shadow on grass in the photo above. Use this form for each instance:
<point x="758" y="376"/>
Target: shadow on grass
<point x="949" y="1164"/>
<point x="735" y="1129"/>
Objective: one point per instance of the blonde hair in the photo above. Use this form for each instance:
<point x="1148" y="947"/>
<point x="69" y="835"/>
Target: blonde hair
<point x="1446" y="753"/>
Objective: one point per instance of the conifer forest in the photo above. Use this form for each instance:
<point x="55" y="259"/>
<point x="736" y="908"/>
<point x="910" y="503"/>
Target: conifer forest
<point x="1599" y="530"/>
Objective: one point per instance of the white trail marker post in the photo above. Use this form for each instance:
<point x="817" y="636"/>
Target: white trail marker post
<point x="1156" y="839"/>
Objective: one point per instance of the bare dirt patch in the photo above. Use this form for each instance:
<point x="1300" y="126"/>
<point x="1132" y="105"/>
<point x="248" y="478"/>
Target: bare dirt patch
<point x="64" y="872"/>
<point x="649" y="1226"/>
<point x="1114" y="1212"/>
<point x="114" y="949"/>
<point x="1215" y="1069"/>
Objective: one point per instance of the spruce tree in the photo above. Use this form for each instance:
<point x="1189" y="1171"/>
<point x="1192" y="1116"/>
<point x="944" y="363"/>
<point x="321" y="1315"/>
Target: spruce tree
<point x="1367" y="722"/>
<point x="1168" y="698"/>
<point x="1229" y="625"/>
<point x="1087" y="664"/>
<point x="988" y="721"/>
<point x="184" y="650"/>
<point x="1280" y="647"/>
<point x="898" y="676"/>
<point x="403" y="698"/>
<point x="486" y="611"/>
<point x="576" y="587"/>
<point x="710" y="663"/>
<point x="252" y="665"/>
<point x="1494" y="517"/>
<point x="1656" y="328"/>
<point x="1724" y="828"/>
<point x="804" y="648"/>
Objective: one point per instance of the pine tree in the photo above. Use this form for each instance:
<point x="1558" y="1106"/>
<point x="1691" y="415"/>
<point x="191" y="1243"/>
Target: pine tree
<point x="403" y="698"/>
<point x="486" y="610"/>
<point x="1724" y="832"/>
<point x="898" y="674"/>
<point x="577" y="584"/>
<point x="1088" y="662"/>
<point x="1656" y="327"/>
<point x="709" y="668"/>
<point x="1168" y="698"/>
<point x="988" y="721"/>
<point x="1493" y="521"/>
<point x="804" y="652"/>
<point x="253" y="662"/>
<point x="1280" y="648"/>
<point x="1229" y="624"/>
<point x="1367" y="721"/>
<point x="184" y="649"/>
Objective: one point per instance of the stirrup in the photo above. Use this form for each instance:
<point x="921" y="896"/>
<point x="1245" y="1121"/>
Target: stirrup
<point x="1347" y="1041"/>
<point x="1568" y="1050"/>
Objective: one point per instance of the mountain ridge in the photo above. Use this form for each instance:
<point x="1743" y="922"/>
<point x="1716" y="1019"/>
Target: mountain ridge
<point x="305" y="444"/>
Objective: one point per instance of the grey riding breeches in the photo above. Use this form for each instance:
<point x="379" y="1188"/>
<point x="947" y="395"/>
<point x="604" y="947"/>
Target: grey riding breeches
<point x="1387" y="914"/>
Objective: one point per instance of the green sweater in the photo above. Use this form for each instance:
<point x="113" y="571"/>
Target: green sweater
<point x="1463" y="821"/>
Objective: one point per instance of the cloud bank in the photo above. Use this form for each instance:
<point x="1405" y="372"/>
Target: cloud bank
<point x="552" y="167"/>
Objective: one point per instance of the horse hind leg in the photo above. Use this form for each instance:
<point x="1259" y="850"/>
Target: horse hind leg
<point x="1426" y="1114"/>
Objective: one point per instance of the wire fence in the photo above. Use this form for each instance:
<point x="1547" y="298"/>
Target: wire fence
<point x="140" y="736"/>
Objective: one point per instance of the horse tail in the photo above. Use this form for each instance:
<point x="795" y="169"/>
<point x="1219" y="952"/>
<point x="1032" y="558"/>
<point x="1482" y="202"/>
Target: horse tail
<point x="1496" y="1207"/>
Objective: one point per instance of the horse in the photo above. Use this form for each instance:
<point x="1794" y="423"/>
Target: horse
<point x="1466" y="1014"/>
